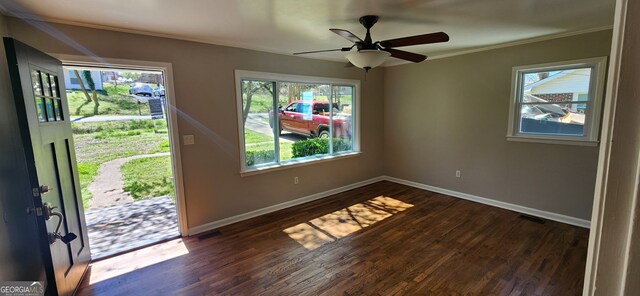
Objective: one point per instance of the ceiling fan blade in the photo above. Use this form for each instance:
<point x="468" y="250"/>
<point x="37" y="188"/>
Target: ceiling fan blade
<point x="324" y="50"/>
<point x="347" y="35"/>
<point x="416" y="40"/>
<point x="407" y="56"/>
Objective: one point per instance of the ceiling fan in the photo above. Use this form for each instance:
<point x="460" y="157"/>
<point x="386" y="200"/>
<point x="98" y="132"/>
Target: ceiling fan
<point x="371" y="54"/>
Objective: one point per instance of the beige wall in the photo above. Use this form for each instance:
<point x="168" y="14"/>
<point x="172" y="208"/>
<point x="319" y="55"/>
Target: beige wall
<point x="452" y="113"/>
<point x="205" y="91"/>
<point x="438" y="117"/>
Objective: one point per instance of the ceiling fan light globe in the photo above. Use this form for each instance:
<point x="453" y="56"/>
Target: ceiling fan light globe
<point x="367" y="58"/>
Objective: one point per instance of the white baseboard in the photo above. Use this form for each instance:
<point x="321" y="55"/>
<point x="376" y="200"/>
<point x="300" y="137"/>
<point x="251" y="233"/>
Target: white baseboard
<point x="284" y="205"/>
<point x="492" y="202"/>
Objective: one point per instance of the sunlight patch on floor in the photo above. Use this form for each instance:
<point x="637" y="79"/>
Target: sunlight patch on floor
<point x="129" y="262"/>
<point x="333" y="226"/>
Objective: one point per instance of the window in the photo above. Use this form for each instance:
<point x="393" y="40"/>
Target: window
<point x="286" y="119"/>
<point x="73" y="79"/>
<point x="47" y="96"/>
<point x="557" y="103"/>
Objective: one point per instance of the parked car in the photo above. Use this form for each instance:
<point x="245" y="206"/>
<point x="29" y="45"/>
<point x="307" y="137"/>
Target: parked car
<point x="159" y="91"/>
<point x="311" y="118"/>
<point x="141" y="89"/>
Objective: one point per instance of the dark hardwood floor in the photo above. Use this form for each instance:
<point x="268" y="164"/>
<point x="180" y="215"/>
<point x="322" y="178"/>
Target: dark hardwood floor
<point x="381" y="239"/>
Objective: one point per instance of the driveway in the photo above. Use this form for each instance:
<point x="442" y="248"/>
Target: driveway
<point x="259" y="122"/>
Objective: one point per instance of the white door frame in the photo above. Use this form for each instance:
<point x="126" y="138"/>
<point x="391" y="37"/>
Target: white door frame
<point x="597" y="216"/>
<point x="174" y="135"/>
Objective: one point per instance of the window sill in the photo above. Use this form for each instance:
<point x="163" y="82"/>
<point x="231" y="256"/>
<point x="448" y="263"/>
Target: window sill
<point x="296" y="163"/>
<point x="552" y="141"/>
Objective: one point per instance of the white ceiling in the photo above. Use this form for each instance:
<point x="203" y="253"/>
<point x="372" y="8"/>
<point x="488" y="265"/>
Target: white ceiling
<point x="287" y="26"/>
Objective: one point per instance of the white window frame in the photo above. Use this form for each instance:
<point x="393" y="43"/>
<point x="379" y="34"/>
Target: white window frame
<point x="280" y="78"/>
<point x="594" y="104"/>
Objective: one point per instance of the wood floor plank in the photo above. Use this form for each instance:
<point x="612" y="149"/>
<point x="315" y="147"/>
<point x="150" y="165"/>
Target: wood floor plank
<point x="380" y="239"/>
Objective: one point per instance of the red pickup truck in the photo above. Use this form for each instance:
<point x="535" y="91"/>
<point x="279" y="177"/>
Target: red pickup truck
<point x="311" y="118"/>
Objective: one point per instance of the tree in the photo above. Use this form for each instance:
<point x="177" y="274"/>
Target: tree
<point x="295" y="90"/>
<point x="249" y="88"/>
<point x="92" y="85"/>
<point x="131" y="75"/>
<point x="542" y="75"/>
<point x="82" y="87"/>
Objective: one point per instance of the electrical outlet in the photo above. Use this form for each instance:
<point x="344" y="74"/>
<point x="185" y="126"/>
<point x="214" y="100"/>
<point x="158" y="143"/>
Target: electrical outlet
<point x="295" y="180"/>
<point x="458" y="174"/>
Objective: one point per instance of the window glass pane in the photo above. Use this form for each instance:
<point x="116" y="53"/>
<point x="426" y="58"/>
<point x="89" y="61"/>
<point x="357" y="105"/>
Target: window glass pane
<point x="258" y="122"/>
<point x="35" y="80"/>
<point x="49" y="107"/>
<point x="550" y="119"/>
<point x="548" y="101"/>
<point x="342" y="120"/>
<point x="45" y="84"/>
<point x="558" y="85"/>
<point x="40" y="110"/>
<point x="303" y="119"/>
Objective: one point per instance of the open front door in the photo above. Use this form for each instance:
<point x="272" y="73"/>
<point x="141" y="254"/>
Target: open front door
<point x="43" y="116"/>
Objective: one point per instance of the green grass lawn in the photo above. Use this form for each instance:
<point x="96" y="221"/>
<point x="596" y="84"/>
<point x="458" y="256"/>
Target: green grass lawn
<point x="99" y="142"/>
<point x="255" y="141"/>
<point x="87" y="172"/>
<point x="148" y="177"/>
<point x="251" y="137"/>
<point x="114" y="100"/>
<point x="109" y="105"/>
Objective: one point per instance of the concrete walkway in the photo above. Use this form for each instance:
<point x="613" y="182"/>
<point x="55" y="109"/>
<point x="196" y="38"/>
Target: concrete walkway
<point x="124" y="227"/>
<point x="107" y="187"/>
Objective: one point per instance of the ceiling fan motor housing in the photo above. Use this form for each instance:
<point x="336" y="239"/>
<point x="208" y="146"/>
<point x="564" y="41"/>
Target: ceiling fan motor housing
<point x="369" y="20"/>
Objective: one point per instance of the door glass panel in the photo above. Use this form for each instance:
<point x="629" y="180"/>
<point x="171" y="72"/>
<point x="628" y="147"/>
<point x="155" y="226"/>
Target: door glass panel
<point x="35" y="80"/>
<point x="54" y="86"/>
<point x="42" y="117"/>
<point x="57" y="109"/>
<point x="60" y="109"/>
<point x="45" y="84"/>
<point x="49" y="107"/>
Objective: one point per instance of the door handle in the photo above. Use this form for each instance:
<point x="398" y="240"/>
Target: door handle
<point x="48" y="212"/>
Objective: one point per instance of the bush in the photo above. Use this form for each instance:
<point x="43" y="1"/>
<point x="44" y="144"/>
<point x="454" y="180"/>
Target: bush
<point x="341" y="145"/>
<point x="318" y="146"/>
<point x="310" y="147"/>
<point x="260" y="156"/>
